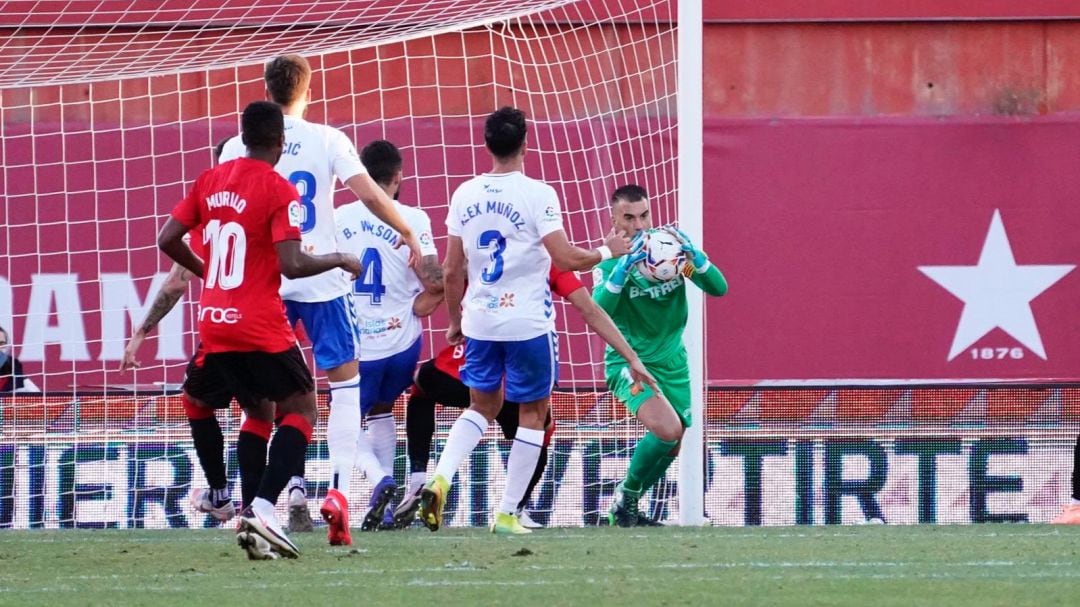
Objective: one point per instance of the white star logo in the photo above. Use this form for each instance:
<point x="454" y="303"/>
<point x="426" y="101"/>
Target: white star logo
<point x="996" y="292"/>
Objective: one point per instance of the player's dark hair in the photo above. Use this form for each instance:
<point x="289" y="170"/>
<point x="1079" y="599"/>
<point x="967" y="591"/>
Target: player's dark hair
<point x="630" y="193"/>
<point x="504" y="132"/>
<point x="382" y="161"/>
<point x="219" y="147"/>
<point x="287" y="78"/>
<point x="262" y="125"/>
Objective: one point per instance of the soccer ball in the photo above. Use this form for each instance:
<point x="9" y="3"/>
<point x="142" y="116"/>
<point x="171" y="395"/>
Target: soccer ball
<point x="664" y="257"/>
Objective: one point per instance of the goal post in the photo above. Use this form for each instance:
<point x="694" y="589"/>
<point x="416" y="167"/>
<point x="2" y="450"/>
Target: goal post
<point x="691" y="219"/>
<point x="108" y="117"/>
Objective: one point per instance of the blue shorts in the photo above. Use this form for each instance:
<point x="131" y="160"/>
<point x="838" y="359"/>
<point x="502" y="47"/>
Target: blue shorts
<point x="383" y="380"/>
<point x="331" y="327"/>
<point x="531" y="367"/>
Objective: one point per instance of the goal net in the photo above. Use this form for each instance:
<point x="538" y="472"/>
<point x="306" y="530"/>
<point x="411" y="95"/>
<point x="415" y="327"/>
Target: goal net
<point x="109" y="114"/>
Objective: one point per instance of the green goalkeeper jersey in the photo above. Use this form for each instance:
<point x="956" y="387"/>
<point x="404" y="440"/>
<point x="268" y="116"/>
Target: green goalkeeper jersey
<point x="651" y="316"/>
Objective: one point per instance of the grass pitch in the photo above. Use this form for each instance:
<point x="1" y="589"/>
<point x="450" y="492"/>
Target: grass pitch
<point x="977" y="565"/>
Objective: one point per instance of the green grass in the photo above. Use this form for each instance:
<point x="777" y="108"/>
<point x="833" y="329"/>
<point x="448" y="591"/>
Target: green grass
<point x="869" y="565"/>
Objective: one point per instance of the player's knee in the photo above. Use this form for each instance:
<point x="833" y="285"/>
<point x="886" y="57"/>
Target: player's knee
<point x="670" y="431"/>
<point x="195" y="410"/>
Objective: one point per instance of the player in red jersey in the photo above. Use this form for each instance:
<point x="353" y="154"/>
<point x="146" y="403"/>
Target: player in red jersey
<point x="216" y="500"/>
<point x="249" y="217"/>
<point x="439" y="381"/>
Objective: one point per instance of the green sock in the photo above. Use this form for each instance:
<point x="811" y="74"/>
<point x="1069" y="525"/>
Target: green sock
<point x="647" y="454"/>
<point x="657" y="472"/>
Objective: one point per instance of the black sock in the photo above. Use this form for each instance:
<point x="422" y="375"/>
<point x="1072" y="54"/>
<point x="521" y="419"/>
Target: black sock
<point x="541" y="464"/>
<point x="251" y="458"/>
<point x="1076" y="470"/>
<point x="419" y="428"/>
<point x="289" y="445"/>
<point x="210" y="447"/>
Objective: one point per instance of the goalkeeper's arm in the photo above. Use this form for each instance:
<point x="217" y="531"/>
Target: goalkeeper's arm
<point x="599" y="321"/>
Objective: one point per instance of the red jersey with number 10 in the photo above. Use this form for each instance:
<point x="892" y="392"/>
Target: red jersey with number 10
<point x="450" y="359"/>
<point x="242" y="208"/>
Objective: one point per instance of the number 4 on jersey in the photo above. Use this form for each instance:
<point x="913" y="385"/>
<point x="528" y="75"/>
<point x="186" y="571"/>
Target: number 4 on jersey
<point x="370" y="282"/>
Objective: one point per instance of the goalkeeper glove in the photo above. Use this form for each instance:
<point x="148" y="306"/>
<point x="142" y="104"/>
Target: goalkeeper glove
<point x="698" y="258"/>
<point x="622" y="269"/>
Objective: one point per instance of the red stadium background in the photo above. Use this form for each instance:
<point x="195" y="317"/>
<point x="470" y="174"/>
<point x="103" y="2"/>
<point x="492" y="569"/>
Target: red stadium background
<point x="892" y="195"/>
<point x="839" y="160"/>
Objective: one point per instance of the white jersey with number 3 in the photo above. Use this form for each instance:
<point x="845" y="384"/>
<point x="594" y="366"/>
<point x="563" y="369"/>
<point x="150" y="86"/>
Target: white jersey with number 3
<point x="314" y="155"/>
<point x="501" y="219"/>
<point x="385" y="291"/>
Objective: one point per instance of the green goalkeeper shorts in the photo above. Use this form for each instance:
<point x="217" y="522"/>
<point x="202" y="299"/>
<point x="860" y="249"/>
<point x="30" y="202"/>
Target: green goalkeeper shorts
<point x="672" y="376"/>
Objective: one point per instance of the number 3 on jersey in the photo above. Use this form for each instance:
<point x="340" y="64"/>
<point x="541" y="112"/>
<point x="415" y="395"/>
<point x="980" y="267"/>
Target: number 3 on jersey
<point x="370" y="281"/>
<point x="492" y="239"/>
<point x="305" y="185"/>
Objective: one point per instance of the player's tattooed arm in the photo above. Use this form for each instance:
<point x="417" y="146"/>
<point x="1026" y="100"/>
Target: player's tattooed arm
<point x="431" y="274"/>
<point x="174" y="288"/>
<point x="171" y="291"/>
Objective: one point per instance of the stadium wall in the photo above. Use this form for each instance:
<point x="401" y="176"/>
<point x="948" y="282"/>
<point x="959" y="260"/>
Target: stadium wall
<point x="841" y="158"/>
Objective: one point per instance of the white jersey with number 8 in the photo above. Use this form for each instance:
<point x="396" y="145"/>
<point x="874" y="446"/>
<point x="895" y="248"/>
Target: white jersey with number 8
<point x="501" y="219"/>
<point x="314" y="155"/>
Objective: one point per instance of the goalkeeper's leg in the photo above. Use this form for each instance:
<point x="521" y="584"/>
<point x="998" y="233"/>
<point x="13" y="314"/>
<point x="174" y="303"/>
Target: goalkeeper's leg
<point x="665" y="430"/>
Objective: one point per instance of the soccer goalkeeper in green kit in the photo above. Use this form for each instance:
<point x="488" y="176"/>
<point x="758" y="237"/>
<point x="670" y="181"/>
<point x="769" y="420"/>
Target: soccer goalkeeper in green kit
<point x="652" y="316"/>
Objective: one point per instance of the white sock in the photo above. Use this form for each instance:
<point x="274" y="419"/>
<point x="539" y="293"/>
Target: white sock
<point x="520" y="466"/>
<point x="416" y="481"/>
<point x="383" y="432"/>
<point x="296" y="483"/>
<point x="341" y="429"/>
<point x="366" y="461"/>
<point x="464" y="436"/>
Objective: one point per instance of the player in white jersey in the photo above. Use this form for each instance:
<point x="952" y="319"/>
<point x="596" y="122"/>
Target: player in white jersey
<point x="314" y="155"/>
<point x="505" y="230"/>
<point x="387" y="294"/>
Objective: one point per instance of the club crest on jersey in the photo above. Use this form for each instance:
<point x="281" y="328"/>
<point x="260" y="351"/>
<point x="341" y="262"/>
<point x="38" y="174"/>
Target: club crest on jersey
<point x="296" y="214"/>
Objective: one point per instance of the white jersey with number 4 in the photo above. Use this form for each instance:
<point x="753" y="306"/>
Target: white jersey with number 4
<point x="384" y="293"/>
<point x="314" y="155"/>
<point x="501" y="219"/>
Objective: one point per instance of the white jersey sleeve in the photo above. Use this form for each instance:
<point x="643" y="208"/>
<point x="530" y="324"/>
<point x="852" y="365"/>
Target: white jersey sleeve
<point x="422" y="229"/>
<point x="234" y="148"/>
<point x="549" y="216"/>
<point x="385" y="291"/>
<point x="344" y="160"/>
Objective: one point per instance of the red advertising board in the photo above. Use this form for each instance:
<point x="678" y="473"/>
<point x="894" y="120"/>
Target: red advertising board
<point x="894" y="249"/>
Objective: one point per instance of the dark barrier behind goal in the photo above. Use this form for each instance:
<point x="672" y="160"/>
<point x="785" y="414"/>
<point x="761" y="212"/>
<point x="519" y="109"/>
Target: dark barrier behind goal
<point x="774" y="456"/>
